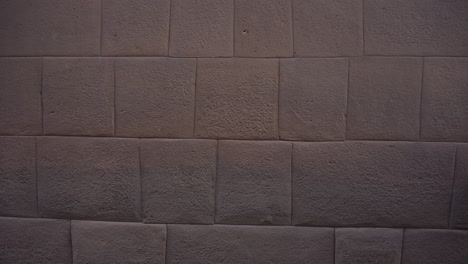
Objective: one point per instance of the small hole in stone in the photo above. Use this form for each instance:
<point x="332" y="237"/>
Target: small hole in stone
<point x="245" y="31"/>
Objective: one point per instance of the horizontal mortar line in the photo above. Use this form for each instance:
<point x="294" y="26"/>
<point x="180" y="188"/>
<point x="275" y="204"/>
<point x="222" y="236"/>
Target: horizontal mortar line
<point x="237" y="57"/>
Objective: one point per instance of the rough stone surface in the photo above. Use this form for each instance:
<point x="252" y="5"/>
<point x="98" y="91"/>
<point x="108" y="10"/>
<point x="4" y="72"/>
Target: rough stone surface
<point x="155" y="97"/>
<point x="444" y="110"/>
<point x="135" y="27"/>
<point x="253" y="183"/>
<point x="417" y="27"/>
<point x="263" y="28"/>
<point x="384" y="98"/>
<point x="201" y="28"/>
<point x="379" y="184"/>
<point x="20" y="96"/>
<point x="459" y="217"/>
<point x="88" y="178"/>
<point x="435" y="246"/>
<point x="35" y="241"/>
<point x="53" y="27"/>
<point x="368" y="245"/>
<point x="313" y="99"/>
<point x="249" y="244"/>
<point x="237" y="98"/>
<point x="118" y="243"/>
<point x="178" y="181"/>
<point x="18" y="176"/>
<point x="78" y="96"/>
<point x="327" y="28"/>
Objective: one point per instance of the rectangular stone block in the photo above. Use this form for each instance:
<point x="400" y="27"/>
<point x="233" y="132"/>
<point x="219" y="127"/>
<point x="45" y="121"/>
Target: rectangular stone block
<point x="115" y="243"/>
<point x="424" y="246"/>
<point x="178" y="180"/>
<point x="201" y="28"/>
<point x="384" y="98"/>
<point x="18" y="196"/>
<point x="253" y="184"/>
<point x="249" y="244"/>
<point x="459" y="217"/>
<point x="444" y="109"/>
<point x="20" y="96"/>
<point x="89" y="178"/>
<point x="417" y="27"/>
<point x="378" y="184"/>
<point x="38" y="241"/>
<point x="78" y="96"/>
<point x="237" y="98"/>
<point x="368" y="245"/>
<point x="53" y="27"/>
<point x="155" y="97"/>
<point x="135" y="27"/>
<point x="313" y="96"/>
<point x="324" y="28"/>
<point x="263" y="28"/>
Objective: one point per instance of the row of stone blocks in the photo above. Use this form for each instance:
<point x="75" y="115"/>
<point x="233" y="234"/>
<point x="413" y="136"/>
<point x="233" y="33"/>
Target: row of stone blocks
<point x="63" y="241"/>
<point x="312" y="99"/>
<point x="226" y="28"/>
<point x="196" y="181"/>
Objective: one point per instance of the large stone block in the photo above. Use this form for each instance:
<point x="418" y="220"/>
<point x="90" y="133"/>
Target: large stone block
<point x="459" y="217"/>
<point x="18" y="195"/>
<point x="20" y="96"/>
<point x="201" y="28"/>
<point x="249" y="244"/>
<point x="424" y="246"/>
<point x="324" y="28"/>
<point x="89" y="178"/>
<point x="35" y="241"/>
<point x="155" y="97"/>
<point x="178" y="180"/>
<point x="263" y="28"/>
<point x="417" y="27"/>
<point x="53" y="27"/>
<point x="384" y="98"/>
<point x="118" y="243"/>
<point x="253" y="184"/>
<point x="379" y="184"/>
<point x="368" y="245"/>
<point x="237" y="98"/>
<point x="78" y="96"/>
<point x="313" y="96"/>
<point x="135" y="27"/>
<point x="444" y="109"/>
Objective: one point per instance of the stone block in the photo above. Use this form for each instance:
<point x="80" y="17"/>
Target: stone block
<point x="459" y="217"/>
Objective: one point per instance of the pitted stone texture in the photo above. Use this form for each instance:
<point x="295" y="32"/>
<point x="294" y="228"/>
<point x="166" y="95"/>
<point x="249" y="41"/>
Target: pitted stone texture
<point x="384" y="98"/>
<point x="327" y="28"/>
<point x="155" y="97"/>
<point x="201" y="28"/>
<point x="417" y="27"/>
<point x="313" y="99"/>
<point x="88" y="178"/>
<point x="34" y="241"/>
<point x="78" y="96"/>
<point x="237" y="98"/>
<point x="368" y="245"/>
<point x="20" y="96"/>
<point x="424" y="246"/>
<point x="118" y="243"/>
<point x="135" y="27"/>
<point x="253" y="183"/>
<point x="459" y="217"/>
<point x="444" y="110"/>
<point x="18" y="176"/>
<point x="249" y="244"/>
<point x="178" y="180"/>
<point x="379" y="184"/>
<point x="53" y="27"/>
<point x="263" y="28"/>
